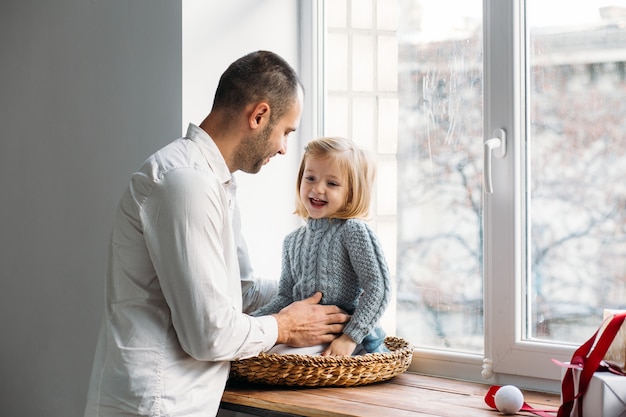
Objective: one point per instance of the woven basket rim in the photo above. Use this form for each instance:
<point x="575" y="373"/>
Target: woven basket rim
<point x="315" y="370"/>
<point x="366" y="358"/>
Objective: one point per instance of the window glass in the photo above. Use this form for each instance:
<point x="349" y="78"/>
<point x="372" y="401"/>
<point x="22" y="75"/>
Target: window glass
<point x="440" y="145"/>
<point x="576" y="219"/>
<point x="360" y="57"/>
<point x="404" y="78"/>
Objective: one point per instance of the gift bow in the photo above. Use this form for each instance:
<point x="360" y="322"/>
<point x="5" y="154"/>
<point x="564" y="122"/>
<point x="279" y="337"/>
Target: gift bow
<point x="587" y="358"/>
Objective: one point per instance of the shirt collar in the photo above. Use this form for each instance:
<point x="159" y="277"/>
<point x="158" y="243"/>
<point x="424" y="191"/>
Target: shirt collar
<point x="211" y="152"/>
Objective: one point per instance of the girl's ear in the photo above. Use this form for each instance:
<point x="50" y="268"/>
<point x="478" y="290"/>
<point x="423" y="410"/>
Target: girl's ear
<point x="259" y="116"/>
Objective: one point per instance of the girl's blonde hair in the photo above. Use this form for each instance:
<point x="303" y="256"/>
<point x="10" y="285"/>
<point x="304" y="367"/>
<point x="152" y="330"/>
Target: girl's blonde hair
<point x="357" y="166"/>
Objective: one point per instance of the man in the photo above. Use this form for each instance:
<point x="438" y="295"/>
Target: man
<point x="173" y="316"/>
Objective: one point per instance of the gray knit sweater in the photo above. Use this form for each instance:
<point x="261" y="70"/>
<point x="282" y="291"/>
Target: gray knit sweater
<point x="342" y="259"/>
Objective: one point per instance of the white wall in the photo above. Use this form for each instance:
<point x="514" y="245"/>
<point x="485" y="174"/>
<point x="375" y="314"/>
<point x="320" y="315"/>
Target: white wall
<point x="88" y="89"/>
<point x="214" y="35"/>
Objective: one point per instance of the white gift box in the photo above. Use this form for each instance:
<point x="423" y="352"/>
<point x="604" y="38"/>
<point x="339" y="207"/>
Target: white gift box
<point x="605" y="396"/>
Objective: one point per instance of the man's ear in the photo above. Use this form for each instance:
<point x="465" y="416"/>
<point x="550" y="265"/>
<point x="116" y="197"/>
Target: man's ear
<point x="260" y="115"/>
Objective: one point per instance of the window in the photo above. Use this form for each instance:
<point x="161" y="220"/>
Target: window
<point x="361" y="102"/>
<point x="576" y="218"/>
<point x="504" y="280"/>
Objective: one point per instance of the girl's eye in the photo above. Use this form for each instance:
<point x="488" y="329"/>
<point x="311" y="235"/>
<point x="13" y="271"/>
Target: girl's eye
<point x="309" y="179"/>
<point x="333" y="184"/>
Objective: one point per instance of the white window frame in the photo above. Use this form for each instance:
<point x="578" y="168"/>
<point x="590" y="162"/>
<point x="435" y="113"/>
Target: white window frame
<point x="512" y="358"/>
<point x="312" y="74"/>
<point x="508" y="358"/>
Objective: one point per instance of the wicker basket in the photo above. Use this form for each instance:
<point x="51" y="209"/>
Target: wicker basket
<point x="324" y="371"/>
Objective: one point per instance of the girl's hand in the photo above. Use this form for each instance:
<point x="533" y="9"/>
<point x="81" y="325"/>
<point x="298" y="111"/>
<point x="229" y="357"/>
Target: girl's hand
<point x="342" y="346"/>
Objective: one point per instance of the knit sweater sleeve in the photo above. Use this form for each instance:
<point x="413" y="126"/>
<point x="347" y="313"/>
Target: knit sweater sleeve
<point x="285" y="285"/>
<point x="370" y="266"/>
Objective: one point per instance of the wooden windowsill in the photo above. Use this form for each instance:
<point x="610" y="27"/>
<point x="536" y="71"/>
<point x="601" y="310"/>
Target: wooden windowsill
<point x="403" y="396"/>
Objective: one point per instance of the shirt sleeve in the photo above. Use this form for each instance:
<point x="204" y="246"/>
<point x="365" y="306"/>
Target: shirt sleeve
<point x="188" y="232"/>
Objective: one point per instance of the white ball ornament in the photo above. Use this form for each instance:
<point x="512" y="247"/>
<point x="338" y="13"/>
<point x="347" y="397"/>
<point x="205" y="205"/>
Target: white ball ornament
<point x="509" y="399"/>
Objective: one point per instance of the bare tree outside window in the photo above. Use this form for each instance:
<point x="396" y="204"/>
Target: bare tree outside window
<point x="576" y="166"/>
<point x="439" y="169"/>
<point x="577" y="223"/>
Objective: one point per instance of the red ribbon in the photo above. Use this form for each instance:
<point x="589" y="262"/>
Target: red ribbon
<point x="491" y="402"/>
<point x="587" y="358"/>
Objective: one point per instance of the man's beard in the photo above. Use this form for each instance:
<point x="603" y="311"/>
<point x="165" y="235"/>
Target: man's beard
<point x="253" y="151"/>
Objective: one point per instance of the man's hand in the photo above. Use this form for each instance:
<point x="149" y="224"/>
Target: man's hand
<point x="307" y="323"/>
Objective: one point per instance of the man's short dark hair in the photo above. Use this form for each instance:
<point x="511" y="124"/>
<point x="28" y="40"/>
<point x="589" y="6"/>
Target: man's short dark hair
<point x="258" y="76"/>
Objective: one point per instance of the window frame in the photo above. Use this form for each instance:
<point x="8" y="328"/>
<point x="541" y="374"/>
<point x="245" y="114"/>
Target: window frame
<point x="508" y="357"/>
<point x="312" y="74"/>
<point x="511" y="355"/>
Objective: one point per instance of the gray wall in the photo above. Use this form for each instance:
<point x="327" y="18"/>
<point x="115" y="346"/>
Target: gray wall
<point x="88" y="89"/>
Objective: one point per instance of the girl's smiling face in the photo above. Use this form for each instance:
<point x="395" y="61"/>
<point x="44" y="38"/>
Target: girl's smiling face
<point x="324" y="188"/>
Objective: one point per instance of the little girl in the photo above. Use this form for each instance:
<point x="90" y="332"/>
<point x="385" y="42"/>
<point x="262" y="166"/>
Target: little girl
<point x="336" y="252"/>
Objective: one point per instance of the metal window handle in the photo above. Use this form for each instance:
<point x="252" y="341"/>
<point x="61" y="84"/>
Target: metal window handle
<point x="494" y="146"/>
